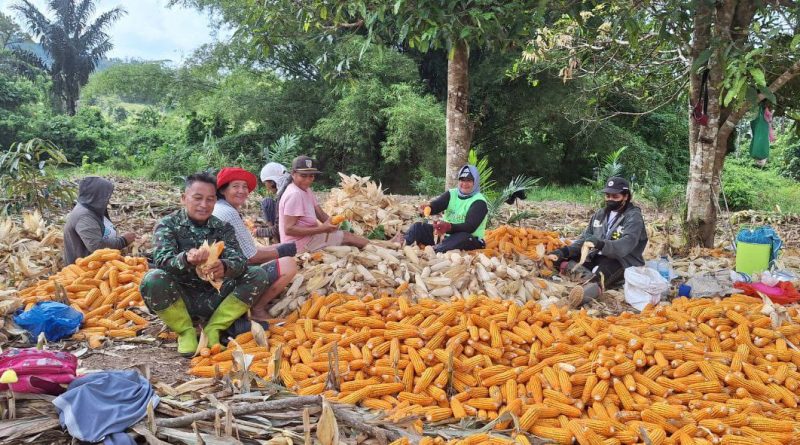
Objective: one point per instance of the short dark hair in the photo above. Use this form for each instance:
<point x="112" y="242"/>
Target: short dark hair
<point x="200" y="177"/>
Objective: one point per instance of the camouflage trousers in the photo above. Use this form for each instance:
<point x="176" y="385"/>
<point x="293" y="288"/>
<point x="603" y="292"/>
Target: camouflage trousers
<point x="160" y="290"/>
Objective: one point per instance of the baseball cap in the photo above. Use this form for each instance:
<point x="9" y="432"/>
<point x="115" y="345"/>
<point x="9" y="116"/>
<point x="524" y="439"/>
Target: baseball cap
<point x="616" y="184"/>
<point x="465" y="174"/>
<point x="305" y="164"/>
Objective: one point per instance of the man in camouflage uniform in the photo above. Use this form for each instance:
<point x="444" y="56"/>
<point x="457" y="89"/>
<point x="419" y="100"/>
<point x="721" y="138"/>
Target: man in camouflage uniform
<point x="175" y="292"/>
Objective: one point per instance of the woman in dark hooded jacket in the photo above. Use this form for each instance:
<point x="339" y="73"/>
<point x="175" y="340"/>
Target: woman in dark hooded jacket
<point x="88" y="227"/>
<point x="464" y="221"/>
<point x="618" y="238"/>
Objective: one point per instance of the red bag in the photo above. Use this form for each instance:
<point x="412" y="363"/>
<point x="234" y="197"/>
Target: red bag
<point x="39" y="371"/>
<point x="782" y="293"/>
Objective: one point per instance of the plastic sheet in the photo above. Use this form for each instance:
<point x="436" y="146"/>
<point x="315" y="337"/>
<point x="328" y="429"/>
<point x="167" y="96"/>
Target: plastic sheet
<point x="56" y="320"/>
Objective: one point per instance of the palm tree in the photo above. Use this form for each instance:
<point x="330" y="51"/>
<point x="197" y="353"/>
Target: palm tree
<point x="12" y="61"/>
<point x="74" y="45"/>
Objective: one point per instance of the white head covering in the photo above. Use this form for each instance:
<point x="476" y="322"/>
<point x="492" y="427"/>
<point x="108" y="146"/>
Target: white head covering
<point x="275" y="172"/>
<point x="272" y="172"/>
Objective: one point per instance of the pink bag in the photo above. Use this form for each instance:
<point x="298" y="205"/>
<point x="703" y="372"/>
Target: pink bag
<point x="39" y="371"/>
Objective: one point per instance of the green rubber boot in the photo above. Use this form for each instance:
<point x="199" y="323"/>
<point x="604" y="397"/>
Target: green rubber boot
<point x="227" y="312"/>
<point x="177" y="318"/>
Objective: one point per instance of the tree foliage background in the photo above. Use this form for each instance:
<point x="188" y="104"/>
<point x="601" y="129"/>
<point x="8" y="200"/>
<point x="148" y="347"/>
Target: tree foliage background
<point x="373" y="109"/>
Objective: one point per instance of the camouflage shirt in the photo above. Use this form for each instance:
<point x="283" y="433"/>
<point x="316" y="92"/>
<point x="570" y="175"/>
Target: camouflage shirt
<point x="176" y="234"/>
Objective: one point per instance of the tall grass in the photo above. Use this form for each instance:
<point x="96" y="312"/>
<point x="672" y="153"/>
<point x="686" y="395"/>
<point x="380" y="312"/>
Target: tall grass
<point x="582" y="194"/>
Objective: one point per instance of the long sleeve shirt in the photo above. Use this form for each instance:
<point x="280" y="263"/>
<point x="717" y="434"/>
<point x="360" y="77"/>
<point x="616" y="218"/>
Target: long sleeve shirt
<point x="176" y="234"/>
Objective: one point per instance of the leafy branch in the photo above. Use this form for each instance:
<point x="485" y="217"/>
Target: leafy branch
<point x="27" y="175"/>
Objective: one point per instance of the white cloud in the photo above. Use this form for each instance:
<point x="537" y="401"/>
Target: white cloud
<point x="150" y="30"/>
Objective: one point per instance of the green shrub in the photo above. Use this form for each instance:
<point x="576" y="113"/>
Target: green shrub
<point x="170" y="162"/>
<point x="244" y="148"/>
<point x="750" y="187"/>
<point x="85" y="136"/>
<point x="415" y="125"/>
<point x="427" y="184"/>
<point x="284" y="150"/>
<point x="787" y="151"/>
<point x="667" y="133"/>
<point x="141" y="140"/>
<point x="739" y="190"/>
<point x="639" y="159"/>
<point x="662" y="195"/>
<point x="173" y="163"/>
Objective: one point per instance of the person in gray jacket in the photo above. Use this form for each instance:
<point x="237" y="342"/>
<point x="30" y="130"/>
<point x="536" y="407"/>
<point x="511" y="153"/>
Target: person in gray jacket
<point x="618" y="234"/>
<point x="88" y="227"/>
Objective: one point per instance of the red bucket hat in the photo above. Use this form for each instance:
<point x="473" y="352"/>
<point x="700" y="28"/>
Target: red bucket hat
<point x="230" y="174"/>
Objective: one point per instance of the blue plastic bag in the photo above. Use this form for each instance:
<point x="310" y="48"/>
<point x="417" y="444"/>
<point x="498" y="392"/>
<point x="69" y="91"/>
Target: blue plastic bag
<point x="56" y="320"/>
<point x="762" y="235"/>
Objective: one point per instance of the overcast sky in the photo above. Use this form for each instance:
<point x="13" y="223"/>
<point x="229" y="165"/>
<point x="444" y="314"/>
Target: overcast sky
<point x="149" y="30"/>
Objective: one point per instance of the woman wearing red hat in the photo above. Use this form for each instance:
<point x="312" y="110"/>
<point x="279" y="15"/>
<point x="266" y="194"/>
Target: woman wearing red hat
<point x="234" y="186"/>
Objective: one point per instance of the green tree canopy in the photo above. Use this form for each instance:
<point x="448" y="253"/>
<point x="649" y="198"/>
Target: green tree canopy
<point x="746" y="51"/>
<point x="137" y="82"/>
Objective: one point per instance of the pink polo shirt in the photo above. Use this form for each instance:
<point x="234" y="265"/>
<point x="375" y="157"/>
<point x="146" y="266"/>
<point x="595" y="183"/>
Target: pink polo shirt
<point x="297" y="202"/>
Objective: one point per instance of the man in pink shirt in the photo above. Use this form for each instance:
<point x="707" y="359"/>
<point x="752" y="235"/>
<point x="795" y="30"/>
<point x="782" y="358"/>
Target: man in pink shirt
<point x="299" y="214"/>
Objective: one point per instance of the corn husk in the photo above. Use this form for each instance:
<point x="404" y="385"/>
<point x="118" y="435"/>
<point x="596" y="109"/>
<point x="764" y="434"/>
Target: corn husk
<point x="9" y="303"/>
<point x="363" y="203"/>
<point x="29" y="249"/>
<point x="421" y="273"/>
<point x="585" y="249"/>
<point x="327" y="427"/>
<point x="214" y="251"/>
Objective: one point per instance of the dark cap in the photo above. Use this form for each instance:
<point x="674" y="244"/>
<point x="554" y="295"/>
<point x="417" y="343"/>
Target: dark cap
<point x="305" y="164"/>
<point x="616" y="184"/>
<point x="465" y="174"/>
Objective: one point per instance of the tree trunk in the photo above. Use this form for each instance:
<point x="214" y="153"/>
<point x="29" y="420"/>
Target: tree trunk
<point x="708" y="143"/>
<point x="459" y="130"/>
<point x="702" y="190"/>
<point x="707" y="148"/>
<point x="71" y="99"/>
<point x="71" y="106"/>
<point x="701" y="212"/>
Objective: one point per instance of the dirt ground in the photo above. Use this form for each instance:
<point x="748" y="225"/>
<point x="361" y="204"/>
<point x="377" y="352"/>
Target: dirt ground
<point x="160" y="358"/>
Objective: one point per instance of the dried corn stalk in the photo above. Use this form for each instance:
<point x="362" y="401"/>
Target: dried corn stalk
<point x="29" y="249"/>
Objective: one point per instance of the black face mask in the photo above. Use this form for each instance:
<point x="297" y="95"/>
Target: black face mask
<point x="613" y="206"/>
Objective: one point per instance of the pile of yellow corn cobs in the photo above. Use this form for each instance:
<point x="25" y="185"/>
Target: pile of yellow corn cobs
<point x="509" y="240"/>
<point x="102" y="286"/>
<point x="702" y="371"/>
